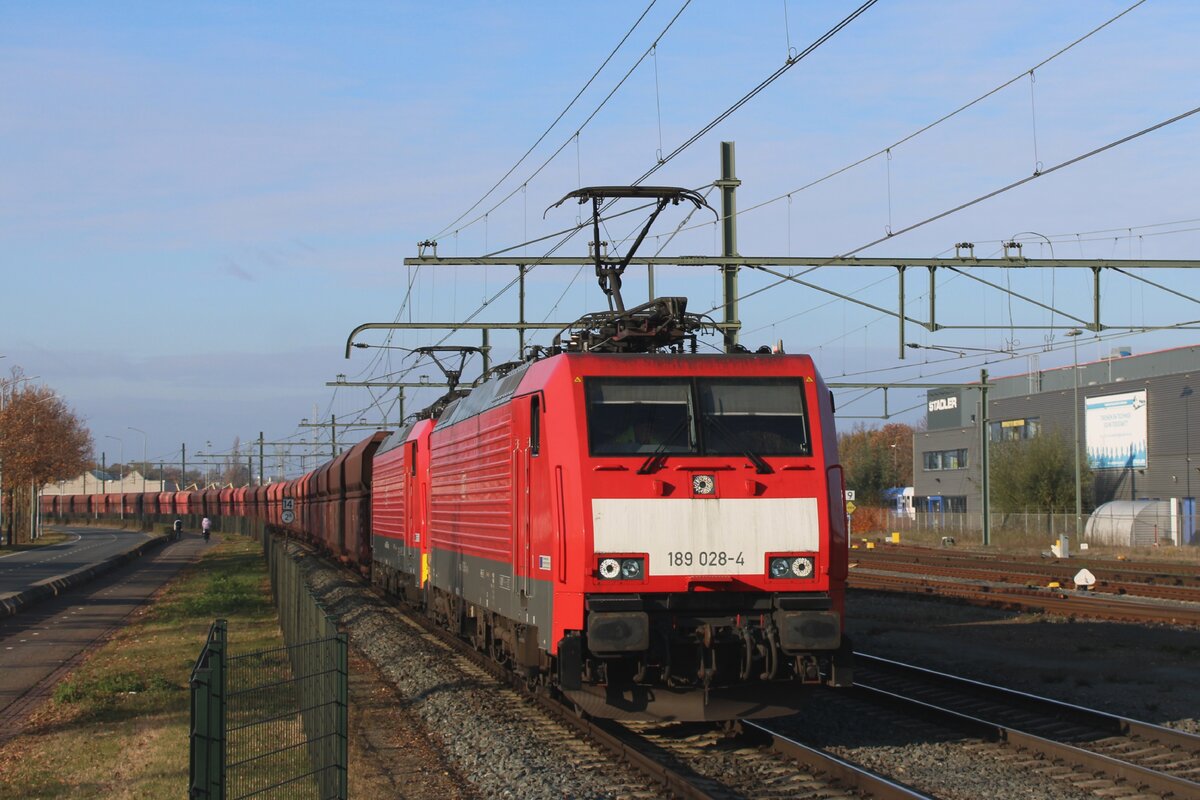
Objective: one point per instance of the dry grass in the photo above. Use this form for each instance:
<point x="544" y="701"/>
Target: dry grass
<point x="118" y="726"/>
<point x="48" y="538"/>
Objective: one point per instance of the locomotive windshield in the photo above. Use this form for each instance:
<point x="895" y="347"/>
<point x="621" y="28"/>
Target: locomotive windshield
<point x="640" y="416"/>
<point x="759" y="415"/>
<point x="763" y="416"/>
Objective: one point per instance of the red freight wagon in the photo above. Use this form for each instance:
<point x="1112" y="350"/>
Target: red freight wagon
<point x="238" y="503"/>
<point x="207" y="502"/>
<point x="356" y="503"/>
<point x="185" y="503"/>
<point x="305" y="505"/>
<point x="225" y="501"/>
<point x="334" y="496"/>
<point x="271" y="511"/>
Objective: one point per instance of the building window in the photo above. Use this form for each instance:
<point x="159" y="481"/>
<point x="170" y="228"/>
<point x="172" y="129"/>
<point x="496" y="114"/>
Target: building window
<point x="945" y="459"/>
<point x="1015" y="430"/>
<point x="935" y="504"/>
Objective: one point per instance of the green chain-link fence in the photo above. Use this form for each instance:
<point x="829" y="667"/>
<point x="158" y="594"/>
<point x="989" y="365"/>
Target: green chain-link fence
<point x="273" y="723"/>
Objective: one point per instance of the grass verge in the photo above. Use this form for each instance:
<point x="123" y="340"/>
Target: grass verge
<point x="118" y="726"/>
<point x="47" y="538"/>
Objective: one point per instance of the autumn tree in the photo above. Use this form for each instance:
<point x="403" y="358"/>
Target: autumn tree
<point x="41" y="440"/>
<point x="1037" y="474"/>
<point x="875" y="459"/>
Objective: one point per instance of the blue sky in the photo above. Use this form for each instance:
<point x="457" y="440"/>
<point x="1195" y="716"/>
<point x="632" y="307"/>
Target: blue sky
<point x="199" y="201"/>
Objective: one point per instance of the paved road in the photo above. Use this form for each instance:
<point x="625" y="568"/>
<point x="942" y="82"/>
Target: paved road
<point x="39" y="646"/>
<point x="84" y="547"/>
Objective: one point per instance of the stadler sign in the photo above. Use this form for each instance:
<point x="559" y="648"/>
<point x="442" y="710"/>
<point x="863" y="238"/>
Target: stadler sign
<point x="944" y="408"/>
<point x="944" y="404"/>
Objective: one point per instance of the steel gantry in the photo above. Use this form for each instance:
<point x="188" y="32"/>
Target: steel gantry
<point x="774" y="265"/>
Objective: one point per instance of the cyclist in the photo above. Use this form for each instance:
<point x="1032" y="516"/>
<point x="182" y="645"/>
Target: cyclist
<point x="206" y="527"/>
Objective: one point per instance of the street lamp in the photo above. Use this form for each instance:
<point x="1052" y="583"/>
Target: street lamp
<point x="144" y="467"/>
<point x="1074" y="334"/>
<point x="120" y="472"/>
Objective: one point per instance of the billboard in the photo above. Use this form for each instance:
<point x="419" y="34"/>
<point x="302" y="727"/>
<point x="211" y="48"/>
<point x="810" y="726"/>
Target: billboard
<point x="1116" y="430"/>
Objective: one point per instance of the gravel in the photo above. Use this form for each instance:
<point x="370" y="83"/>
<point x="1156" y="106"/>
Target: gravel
<point x="1147" y="672"/>
<point x="491" y="736"/>
<point x="508" y="750"/>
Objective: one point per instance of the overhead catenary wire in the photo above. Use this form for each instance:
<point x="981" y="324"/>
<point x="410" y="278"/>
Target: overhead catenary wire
<point x="994" y="193"/>
<point x="552" y="125"/>
<point x="575" y="136"/>
<point x="691" y="140"/>
<point x="720" y="117"/>
<point x="750" y="95"/>
<point x="944" y="118"/>
<point x="959" y="208"/>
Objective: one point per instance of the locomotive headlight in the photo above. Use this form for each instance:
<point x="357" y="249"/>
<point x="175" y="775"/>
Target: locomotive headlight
<point x="609" y="568"/>
<point x="802" y="567"/>
<point x="631" y="569"/>
<point x="780" y="567"/>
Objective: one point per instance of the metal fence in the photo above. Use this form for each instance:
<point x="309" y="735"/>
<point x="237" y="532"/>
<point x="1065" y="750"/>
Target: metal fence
<point x="206" y="773"/>
<point x="1031" y="526"/>
<point x="273" y="723"/>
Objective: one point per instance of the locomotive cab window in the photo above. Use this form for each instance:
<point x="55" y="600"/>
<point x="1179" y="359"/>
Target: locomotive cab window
<point x="763" y="416"/>
<point x="631" y="416"/>
<point x="535" y="426"/>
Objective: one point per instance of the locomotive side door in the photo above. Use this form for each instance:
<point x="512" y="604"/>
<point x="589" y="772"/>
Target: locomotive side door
<point x="412" y="523"/>
<point x="531" y="538"/>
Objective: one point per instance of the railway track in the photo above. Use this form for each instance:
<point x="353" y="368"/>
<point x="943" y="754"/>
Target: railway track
<point x="699" y="761"/>
<point x="674" y="782"/>
<point x="693" y="761"/>
<point x="1021" y="575"/>
<point x="761" y="763"/>
<point x="1063" y="602"/>
<point x="1156" y="759"/>
<point x="1179" y="585"/>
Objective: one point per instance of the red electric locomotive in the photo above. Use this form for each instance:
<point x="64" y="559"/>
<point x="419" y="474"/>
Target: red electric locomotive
<point x="660" y="535"/>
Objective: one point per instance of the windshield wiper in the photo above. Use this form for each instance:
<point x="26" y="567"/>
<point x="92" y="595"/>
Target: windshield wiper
<point x="656" y="460"/>
<point x="760" y="465"/>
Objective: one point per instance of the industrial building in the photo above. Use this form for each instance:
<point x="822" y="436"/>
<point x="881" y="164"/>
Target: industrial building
<point x="1129" y="414"/>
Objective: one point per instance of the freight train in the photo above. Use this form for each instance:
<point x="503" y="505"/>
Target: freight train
<point x="654" y="535"/>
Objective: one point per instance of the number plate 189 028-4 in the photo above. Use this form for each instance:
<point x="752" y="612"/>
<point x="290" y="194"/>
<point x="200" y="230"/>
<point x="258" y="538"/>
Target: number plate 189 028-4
<point x="724" y="536"/>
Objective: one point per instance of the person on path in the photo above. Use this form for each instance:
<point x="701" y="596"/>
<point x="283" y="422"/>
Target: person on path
<point x="206" y="527"/>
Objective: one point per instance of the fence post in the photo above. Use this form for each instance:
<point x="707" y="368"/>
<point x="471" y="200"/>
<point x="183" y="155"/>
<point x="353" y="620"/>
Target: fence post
<point x="343" y="713"/>
<point x="207" y="763"/>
